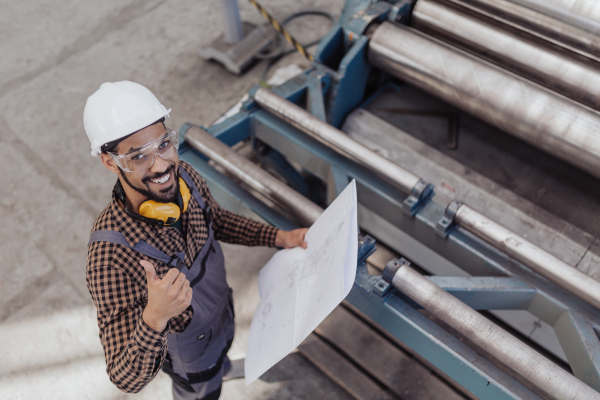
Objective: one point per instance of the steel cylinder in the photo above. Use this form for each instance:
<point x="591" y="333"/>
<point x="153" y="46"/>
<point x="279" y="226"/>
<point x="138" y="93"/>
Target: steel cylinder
<point x="574" y="24"/>
<point x="252" y="175"/>
<point x="550" y="67"/>
<point x="530" y="255"/>
<point x="509" y="350"/>
<point x="549" y="121"/>
<point x="336" y="140"/>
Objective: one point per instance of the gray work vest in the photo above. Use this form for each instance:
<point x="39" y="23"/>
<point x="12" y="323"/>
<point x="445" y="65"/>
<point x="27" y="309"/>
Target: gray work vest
<point x="195" y="355"/>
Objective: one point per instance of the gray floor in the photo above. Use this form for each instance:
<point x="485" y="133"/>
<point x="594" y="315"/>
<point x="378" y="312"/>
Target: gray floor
<point x="54" y="55"/>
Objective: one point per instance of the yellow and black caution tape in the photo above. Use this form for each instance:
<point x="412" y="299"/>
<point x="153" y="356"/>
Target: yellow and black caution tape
<point x="282" y="30"/>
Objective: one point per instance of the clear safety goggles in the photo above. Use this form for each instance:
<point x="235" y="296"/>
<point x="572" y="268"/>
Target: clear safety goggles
<point x="142" y="159"/>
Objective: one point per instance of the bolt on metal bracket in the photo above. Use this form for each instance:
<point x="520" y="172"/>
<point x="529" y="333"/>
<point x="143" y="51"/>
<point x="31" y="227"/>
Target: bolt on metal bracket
<point x="418" y="196"/>
<point x="384" y="285"/>
<point x="366" y="247"/>
<point x="381" y="288"/>
<point x="446" y="224"/>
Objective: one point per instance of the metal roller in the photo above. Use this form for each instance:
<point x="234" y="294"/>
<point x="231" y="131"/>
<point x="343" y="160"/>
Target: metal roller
<point x="254" y="176"/>
<point x="336" y="139"/>
<point x="574" y="24"/>
<point x="549" y="67"/>
<point x="539" y="260"/>
<point x="534" y="367"/>
<point x="543" y="118"/>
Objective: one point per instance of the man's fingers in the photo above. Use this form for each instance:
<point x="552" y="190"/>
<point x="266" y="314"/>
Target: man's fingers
<point x="171" y="276"/>
<point x="302" y="234"/>
<point x="186" y="286"/>
<point x="185" y="291"/>
<point x="150" y="271"/>
<point x="178" y="284"/>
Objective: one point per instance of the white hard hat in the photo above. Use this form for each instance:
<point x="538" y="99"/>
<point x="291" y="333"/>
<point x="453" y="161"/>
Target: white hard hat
<point x="119" y="109"/>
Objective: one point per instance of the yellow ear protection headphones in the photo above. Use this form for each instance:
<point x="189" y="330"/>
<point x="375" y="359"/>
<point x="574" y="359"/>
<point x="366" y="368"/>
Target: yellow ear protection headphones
<point x="155" y="212"/>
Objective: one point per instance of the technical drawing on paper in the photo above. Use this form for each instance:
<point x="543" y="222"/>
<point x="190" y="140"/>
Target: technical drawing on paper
<point x="299" y="288"/>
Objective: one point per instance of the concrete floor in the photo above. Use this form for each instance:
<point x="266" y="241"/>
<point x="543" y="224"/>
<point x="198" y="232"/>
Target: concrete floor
<point x="54" y="55"/>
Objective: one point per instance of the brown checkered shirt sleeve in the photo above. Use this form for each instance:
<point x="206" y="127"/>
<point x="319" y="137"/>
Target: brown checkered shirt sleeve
<point x="118" y="285"/>
<point x="230" y="227"/>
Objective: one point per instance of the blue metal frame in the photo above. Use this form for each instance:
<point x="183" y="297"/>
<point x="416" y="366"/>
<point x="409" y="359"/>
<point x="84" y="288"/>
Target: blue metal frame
<point x="330" y="89"/>
<point x="398" y="316"/>
<point x="393" y="311"/>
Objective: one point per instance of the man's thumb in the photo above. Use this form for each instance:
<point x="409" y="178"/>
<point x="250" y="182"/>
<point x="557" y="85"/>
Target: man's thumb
<point x="150" y="272"/>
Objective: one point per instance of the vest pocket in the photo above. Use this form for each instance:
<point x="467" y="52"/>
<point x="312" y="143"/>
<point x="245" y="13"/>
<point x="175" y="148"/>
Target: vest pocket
<point x="193" y="345"/>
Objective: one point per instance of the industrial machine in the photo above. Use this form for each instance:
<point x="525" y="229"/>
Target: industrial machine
<point x="473" y="132"/>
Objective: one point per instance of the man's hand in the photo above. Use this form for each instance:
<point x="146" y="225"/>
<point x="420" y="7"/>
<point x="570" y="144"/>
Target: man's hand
<point x="167" y="297"/>
<point x="290" y="239"/>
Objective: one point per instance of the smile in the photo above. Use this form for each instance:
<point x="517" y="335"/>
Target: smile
<point x="162" y="179"/>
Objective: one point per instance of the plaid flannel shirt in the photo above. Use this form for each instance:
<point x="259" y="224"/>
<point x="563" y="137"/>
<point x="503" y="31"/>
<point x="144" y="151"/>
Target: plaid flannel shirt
<point x="117" y="282"/>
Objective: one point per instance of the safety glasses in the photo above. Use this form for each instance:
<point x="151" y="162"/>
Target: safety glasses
<point x="143" y="158"/>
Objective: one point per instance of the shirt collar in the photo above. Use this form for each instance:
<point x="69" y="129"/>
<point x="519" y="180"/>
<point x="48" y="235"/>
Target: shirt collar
<point x="133" y="229"/>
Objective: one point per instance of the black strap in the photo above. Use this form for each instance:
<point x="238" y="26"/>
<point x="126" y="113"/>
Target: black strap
<point x="203" y="266"/>
<point x="195" y="377"/>
<point x="196" y="194"/>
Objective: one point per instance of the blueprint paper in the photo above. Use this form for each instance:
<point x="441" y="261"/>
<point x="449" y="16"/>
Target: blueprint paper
<point x="299" y="288"/>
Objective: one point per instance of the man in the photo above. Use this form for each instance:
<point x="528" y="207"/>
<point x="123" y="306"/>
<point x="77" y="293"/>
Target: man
<point x="155" y="269"/>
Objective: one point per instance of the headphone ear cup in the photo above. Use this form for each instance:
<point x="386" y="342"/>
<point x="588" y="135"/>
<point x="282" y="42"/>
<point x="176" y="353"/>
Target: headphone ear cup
<point x="160" y="211"/>
<point x="184" y="195"/>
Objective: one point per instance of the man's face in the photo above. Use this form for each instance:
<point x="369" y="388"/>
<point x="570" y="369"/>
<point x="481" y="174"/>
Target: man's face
<point x="160" y="182"/>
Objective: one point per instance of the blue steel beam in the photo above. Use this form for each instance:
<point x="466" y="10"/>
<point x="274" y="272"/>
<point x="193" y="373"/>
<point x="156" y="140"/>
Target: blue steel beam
<point x="450" y="355"/>
<point x="279" y="163"/>
<point x="317" y="83"/>
<point x="348" y="89"/>
<point x="232" y="130"/>
<point x="294" y="90"/>
<point x="580" y="343"/>
<point x="487" y="292"/>
<point x="332" y="47"/>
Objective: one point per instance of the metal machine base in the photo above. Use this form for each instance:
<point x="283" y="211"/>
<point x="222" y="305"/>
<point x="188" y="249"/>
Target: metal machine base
<point x="236" y="56"/>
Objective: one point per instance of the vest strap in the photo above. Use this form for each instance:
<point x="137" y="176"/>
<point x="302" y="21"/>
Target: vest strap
<point x="175" y="261"/>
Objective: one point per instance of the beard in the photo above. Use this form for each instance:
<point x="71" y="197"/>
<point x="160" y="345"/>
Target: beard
<point x="167" y="195"/>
